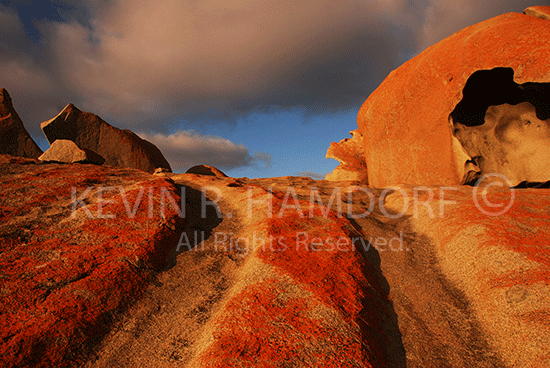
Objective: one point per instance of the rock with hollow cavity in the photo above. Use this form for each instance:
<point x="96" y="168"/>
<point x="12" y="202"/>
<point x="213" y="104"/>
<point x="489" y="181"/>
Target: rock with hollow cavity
<point x="513" y="141"/>
<point x="121" y="148"/>
<point x="405" y="122"/>
<point x="349" y="152"/>
<point x="206" y="170"/>
<point x="63" y="150"/>
<point x="14" y="138"/>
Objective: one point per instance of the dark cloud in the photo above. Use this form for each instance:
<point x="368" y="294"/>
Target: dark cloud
<point x="170" y="62"/>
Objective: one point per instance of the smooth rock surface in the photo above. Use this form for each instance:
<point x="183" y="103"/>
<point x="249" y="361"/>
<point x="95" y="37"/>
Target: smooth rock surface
<point x="405" y="121"/>
<point x="63" y="150"/>
<point x="14" y="138"/>
<point x="120" y="148"/>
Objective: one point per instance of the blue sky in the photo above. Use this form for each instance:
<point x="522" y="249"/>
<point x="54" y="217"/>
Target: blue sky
<point x="256" y="88"/>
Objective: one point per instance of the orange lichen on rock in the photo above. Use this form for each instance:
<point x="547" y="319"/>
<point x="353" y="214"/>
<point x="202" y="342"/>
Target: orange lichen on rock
<point x="500" y="262"/>
<point x="317" y="303"/>
<point x="65" y="273"/>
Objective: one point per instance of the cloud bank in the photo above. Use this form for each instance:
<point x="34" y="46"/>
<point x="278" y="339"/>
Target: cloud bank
<point x="169" y="63"/>
<point x="185" y="149"/>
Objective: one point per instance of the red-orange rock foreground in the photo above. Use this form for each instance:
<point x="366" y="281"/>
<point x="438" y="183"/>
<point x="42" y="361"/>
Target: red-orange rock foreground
<point x="268" y="272"/>
<point x="72" y="256"/>
<point x="406" y="122"/>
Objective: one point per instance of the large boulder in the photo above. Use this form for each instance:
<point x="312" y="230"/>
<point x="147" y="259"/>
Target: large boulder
<point x="350" y="153"/>
<point x="406" y="122"/>
<point x="14" y="138"/>
<point x="121" y="148"/>
<point x="63" y="150"/>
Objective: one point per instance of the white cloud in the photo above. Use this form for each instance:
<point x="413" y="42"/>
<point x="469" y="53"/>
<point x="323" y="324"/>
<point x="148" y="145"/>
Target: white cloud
<point x="187" y="148"/>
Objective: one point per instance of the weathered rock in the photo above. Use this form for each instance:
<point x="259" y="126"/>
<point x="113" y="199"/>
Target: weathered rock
<point x="542" y="12"/>
<point x="350" y="153"/>
<point x="63" y="150"/>
<point x="72" y="258"/>
<point x="120" y="148"/>
<point x="161" y="171"/>
<point x="512" y="141"/>
<point x="14" y="138"/>
<point x="491" y="248"/>
<point x="206" y="170"/>
<point x="405" y="122"/>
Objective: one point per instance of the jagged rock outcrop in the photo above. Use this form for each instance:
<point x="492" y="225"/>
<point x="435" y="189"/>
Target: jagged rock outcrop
<point x="350" y="153"/>
<point x="14" y="138"/>
<point x="120" y="148"/>
<point x="63" y="150"/>
<point x="76" y="247"/>
<point x="405" y="122"/>
<point x="206" y="170"/>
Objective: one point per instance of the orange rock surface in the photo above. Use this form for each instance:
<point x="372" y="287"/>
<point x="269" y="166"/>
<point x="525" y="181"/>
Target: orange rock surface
<point x="405" y="121"/>
<point x="350" y="153"/>
<point x="68" y="267"/>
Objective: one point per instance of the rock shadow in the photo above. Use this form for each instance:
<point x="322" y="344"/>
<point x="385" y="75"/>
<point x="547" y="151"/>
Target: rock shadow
<point x="201" y="216"/>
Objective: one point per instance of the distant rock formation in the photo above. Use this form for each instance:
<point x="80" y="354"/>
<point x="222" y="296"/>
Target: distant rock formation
<point x="14" y="138"/>
<point x="542" y="12"/>
<point x="350" y="153"/>
<point x="206" y="170"/>
<point x="63" y="150"/>
<point x="406" y="122"/>
<point x="121" y="148"/>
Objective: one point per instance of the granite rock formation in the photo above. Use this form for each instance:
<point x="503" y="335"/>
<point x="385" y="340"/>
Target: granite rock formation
<point x="14" y="138"/>
<point x="120" y="148"/>
<point x="270" y="275"/>
<point x="63" y="150"/>
<point x="350" y="153"/>
<point x="406" y="122"/>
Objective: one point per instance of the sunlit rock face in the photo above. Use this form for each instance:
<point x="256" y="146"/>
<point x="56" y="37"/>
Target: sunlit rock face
<point x="349" y="152"/>
<point x="406" y="122"/>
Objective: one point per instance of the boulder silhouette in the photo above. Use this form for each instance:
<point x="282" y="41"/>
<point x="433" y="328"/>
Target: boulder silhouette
<point x="206" y="170"/>
<point x="121" y="148"/>
<point x="14" y="138"/>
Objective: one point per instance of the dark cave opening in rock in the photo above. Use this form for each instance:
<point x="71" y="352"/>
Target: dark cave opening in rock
<point x="504" y="127"/>
<point x="495" y="87"/>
